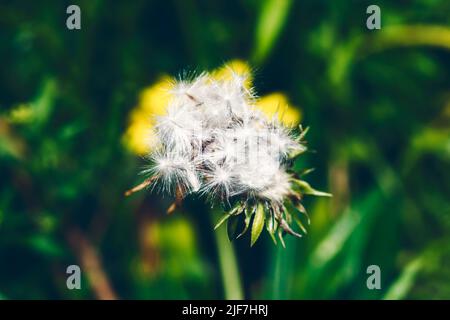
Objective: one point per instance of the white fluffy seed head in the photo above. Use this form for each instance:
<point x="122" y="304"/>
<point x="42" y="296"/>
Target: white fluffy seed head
<point x="212" y="140"/>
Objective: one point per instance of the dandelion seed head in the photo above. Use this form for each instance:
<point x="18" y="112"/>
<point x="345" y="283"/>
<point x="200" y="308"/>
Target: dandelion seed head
<point x="214" y="141"/>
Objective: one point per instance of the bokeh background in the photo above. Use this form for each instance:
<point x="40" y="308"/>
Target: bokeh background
<point x="75" y="104"/>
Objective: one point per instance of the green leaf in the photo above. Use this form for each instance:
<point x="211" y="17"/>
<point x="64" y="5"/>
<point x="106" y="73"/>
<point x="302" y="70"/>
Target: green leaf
<point x="232" y="226"/>
<point x="270" y="23"/>
<point x="400" y="288"/>
<point x="296" y="153"/>
<point x="258" y="223"/>
<point x="271" y="227"/>
<point x="300" y="208"/>
<point x="237" y="208"/>
<point x="222" y="220"/>
<point x="305" y="188"/>
<point x="248" y="215"/>
<point x="45" y="245"/>
<point x="300" y="224"/>
<point x="306" y="172"/>
<point x="303" y="133"/>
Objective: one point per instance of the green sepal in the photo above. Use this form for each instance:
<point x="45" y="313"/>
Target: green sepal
<point x="233" y="226"/>
<point x="224" y="218"/>
<point x="305" y="188"/>
<point x="248" y="215"/>
<point x="258" y="223"/>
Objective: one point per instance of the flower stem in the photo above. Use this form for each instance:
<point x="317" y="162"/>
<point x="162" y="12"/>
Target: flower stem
<point x="228" y="264"/>
<point x="283" y="270"/>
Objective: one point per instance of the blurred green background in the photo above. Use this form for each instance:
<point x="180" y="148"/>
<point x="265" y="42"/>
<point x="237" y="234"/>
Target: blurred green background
<point x="377" y="102"/>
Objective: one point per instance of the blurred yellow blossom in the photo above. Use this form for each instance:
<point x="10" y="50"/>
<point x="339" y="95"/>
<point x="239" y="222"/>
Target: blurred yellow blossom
<point x="155" y="98"/>
<point x="277" y="103"/>
<point x="235" y="66"/>
<point x="139" y="136"/>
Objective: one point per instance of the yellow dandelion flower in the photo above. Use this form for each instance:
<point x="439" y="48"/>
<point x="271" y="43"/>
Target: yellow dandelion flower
<point x="155" y="98"/>
<point x="277" y="103"/>
<point x="237" y="66"/>
<point x="139" y="136"/>
<point x="137" y="133"/>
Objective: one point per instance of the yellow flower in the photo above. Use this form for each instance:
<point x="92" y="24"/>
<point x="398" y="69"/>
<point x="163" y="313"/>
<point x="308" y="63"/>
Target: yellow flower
<point x="155" y="98"/>
<point x="140" y="137"/>
<point x="237" y="67"/>
<point x="277" y="103"/>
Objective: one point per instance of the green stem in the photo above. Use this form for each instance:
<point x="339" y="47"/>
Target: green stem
<point x="283" y="269"/>
<point x="278" y="275"/>
<point x="228" y="265"/>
